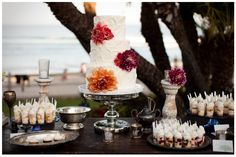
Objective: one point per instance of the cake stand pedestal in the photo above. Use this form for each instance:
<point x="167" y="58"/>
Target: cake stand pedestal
<point x="111" y="100"/>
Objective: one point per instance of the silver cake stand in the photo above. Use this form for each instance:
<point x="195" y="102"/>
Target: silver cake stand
<point x="111" y="99"/>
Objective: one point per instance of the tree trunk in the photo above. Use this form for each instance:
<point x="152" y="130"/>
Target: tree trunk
<point x="218" y="49"/>
<point x="170" y="15"/>
<point x="151" y="76"/>
<point x="81" y="25"/>
<point x="223" y="67"/>
<point x="200" y="50"/>
<point x="152" y="33"/>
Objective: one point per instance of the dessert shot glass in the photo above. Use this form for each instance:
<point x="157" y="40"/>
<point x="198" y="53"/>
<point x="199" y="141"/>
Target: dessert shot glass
<point x="136" y="130"/>
<point x="221" y="134"/>
<point x="109" y="135"/>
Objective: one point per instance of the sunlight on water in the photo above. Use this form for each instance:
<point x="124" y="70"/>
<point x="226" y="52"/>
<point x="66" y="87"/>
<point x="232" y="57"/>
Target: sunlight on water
<point x="24" y="44"/>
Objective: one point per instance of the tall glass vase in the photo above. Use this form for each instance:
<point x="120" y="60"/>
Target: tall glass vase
<point x="169" y="109"/>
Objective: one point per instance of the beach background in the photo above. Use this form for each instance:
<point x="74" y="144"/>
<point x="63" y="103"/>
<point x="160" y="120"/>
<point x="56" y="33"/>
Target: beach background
<point x="26" y="39"/>
<point x="30" y="32"/>
<point x="23" y="46"/>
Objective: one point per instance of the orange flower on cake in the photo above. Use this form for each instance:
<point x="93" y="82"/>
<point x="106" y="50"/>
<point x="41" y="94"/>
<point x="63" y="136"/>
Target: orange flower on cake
<point x="102" y="80"/>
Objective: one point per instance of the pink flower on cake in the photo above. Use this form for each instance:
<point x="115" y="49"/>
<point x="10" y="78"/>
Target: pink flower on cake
<point x="127" y="60"/>
<point x="102" y="80"/>
<point x="100" y="33"/>
<point x="177" y="76"/>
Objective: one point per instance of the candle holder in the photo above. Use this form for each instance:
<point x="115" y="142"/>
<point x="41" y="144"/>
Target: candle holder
<point x="44" y="68"/>
<point x="9" y="97"/>
<point x="169" y="109"/>
<point x="108" y="135"/>
<point x="43" y="80"/>
<point x="43" y="92"/>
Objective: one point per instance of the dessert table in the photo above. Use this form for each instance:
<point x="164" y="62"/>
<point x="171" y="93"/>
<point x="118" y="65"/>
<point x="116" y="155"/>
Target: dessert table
<point x="90" y="142"/>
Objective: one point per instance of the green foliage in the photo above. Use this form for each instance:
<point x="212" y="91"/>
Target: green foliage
<point x="221" y="18"/>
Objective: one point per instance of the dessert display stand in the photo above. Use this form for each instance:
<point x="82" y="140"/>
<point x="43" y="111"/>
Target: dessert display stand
<point x="111" y="99"/>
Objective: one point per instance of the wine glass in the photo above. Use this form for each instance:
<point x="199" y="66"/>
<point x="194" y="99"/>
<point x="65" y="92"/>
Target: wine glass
<point x="9" y="97"/>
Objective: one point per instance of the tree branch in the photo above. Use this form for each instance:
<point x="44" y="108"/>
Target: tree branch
<point x="152" y="33"/>
<point x="80" y="24"/>
<point x="169" y="13"/>
<point x="200" y="51"/>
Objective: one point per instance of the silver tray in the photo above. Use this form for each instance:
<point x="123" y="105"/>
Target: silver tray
<point x="206" y="143"/>
<point x="135" y="89"/>
<point x="20" y="140"/>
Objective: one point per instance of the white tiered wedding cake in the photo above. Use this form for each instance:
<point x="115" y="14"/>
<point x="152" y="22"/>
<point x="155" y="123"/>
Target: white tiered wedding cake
<point x="113" y="64"/>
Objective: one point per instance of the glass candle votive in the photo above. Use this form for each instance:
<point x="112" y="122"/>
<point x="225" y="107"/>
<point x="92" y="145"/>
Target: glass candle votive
<point x="44" y="68"/>
<point x="136" y="130"/>
<point x="221" y="134"/>
<point x="109" y="134"/>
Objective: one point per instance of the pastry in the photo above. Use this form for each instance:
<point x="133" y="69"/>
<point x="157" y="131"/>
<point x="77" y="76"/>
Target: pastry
<point x="194" y="139"/>
<point x="231" y="108"/>
<point x="201" y="108"/>
<point x="186" y="140"/>
<point x="25" y="117"/>
<point x="226" y="107"/>
<point x="17" y="114"/>
<point x="40" y="115"/>
<point x="200" y="136"/>
<point x="59" y="137"/>
<point x="178" y="139"/>
<point x="32" y="116"/>
<point x="160" y="137"/>
<point x="219" y="108"/>
<point x="48" y="138"/>
<point x="49" y="115"/>
<point x="219" y="103"/>
<point x="178" y="134"/>
<point x="32" y="140"/>
<point x="169" y="139"/>
<point x="194" y="107"/>
<point x="210" y="109"/>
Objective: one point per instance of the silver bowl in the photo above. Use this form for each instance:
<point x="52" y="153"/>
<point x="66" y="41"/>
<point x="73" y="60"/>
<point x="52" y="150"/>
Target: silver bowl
<point x="73" y="116"/>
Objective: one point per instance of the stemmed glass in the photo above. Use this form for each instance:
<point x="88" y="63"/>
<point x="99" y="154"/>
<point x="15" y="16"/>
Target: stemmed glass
<point x="9" y="97"/>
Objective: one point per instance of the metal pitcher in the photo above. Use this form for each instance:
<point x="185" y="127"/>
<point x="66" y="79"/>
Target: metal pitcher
<point x="147" y="115"/>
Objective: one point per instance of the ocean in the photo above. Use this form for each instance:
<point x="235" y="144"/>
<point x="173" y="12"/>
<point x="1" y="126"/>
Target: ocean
<point x="23" y="46"/>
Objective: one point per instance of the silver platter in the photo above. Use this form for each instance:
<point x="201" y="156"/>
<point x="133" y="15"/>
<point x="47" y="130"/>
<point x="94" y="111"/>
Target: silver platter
<point x="206" y="143"/>
<point x="128" y="91"/>
<point x="120" y="126"/>
<point x="21" y="140"/>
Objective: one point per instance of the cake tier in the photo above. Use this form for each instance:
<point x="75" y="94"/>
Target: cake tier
<point x="125" y="80"/>
<point x="115" y="23"/>
<point x="107" y="52"/>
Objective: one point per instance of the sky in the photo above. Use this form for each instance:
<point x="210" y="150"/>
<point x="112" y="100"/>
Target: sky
<point x="37" y="13"/>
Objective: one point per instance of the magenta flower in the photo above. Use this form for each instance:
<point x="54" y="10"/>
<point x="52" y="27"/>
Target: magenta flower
<point x="127" y="60"/>
<point x="177" y="76"/>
